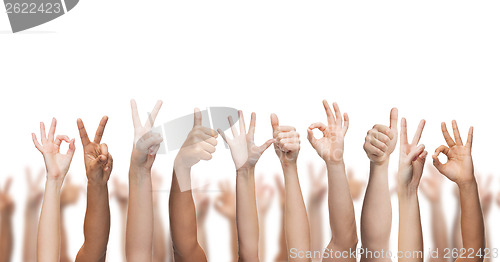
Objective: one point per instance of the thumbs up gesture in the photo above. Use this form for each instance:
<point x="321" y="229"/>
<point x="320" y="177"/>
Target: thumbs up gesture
<point x="381" y="140"/>
<point x="287" y="142"/>
<point x="199" y="145"/>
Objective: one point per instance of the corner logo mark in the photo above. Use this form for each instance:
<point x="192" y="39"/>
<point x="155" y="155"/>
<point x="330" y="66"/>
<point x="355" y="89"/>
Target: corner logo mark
<point x="24" y="14"/>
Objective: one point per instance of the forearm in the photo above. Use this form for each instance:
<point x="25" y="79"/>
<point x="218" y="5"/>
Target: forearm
<point x="262" y="237"/>
<point x="6" y="237"/>
<point x="282" y="249"/>
<point x="376" y="215"/>
<point x="341" y="208"/>
<point x="296" y="221"/>
<point x="139" y="235"/>
<point x="410" y="228"/>
<point x="96" y="225"/>
<point x="472" y="218"/>
<point x="233" y="240"/>
<point x="183" y="221"/>
<point x="316" y="226"/>
<point x="439" y="228"/>
<point x="49" y="234"/>
<point x="159" y="242"/>
<point x="29" y="238"/>
<point x="457" y="230"/>
<point x="64" y="239"/>
<point x="246" y="216"/>
<point x="123" y="215"/>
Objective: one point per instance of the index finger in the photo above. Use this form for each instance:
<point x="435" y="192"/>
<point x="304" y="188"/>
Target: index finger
<point x="135" y="115"/>
<point x="404" y="134"/>
<point x="100" y="130"/>
<point x="83" y="133"/>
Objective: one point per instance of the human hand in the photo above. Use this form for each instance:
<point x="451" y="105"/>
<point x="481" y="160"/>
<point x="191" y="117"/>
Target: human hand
<point x="225" y="203"/>
<point x="264" y="194"/>
<point x="485" y="193"/>
<point x="280" y="188"/>
<point x="57" y="164"/>
<point x="146" y="142"/>
<point x="356" y="187"/>
<point x="431" y="185"/>
<point x="411" y="158"/>
<point x="98" y="162"/>
<point x="6" y="203"/>
<point x="287" y="142"/>
<point x="318" y="186"/>
<point x="199" y="145"/>
<point x="35" y="191"/>
<point x="70" y="193"/>
<point x="120" y="192"/>
<point x="459" y="167"/>
<point x="381" y="140"/>
<point x="243" y="149"/>
<point x="202" y="200"/>
<point x="331" y="146"/>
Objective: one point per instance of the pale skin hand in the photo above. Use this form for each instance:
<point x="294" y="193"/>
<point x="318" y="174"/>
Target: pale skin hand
<point x="31" y="213"/>
<point x="199" y="145"/>
<point x="287" y="146"/>
<point x="57" y="166"/>
<point x="411" y="164"/>
<point x="98" y="166"/>
<point x="460" y="169"/>
<point x="341" y="209"/>
<point x="379" y="144"/>
<point x="356" y="186"/>
<point x="139" y="234"/>
<point x="245" y="156"/>
<point x="6" y="211"/>
<point x="225" y="205"/>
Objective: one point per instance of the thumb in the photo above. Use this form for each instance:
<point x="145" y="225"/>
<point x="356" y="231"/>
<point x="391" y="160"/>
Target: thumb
<point x="274" y="121"/>
<point x="394" y="118"/>
<point x="197" y="117"/>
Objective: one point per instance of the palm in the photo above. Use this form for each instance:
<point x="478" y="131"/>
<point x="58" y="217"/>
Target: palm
<point x="459" y="166"/>
<point x="331" y="146"/>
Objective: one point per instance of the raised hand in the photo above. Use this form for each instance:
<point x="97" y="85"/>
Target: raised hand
<point x="331" y="146"/>
<point x="199" y="145"/>
<point x="381" y="140"/>
<point x="459" y="167"/>
<point x="243" y="149"/>
<point x="98" y="162"/>
<point x="146" y="142"/>
<point x="287" y="143"/>
<point x="356" y="186"/>
<point x="432" y="184"/>
<point x="70" y="193"/>
<point x="57" y="164"/>
<point x="35" y="191"/>
<point x="411" y="157"/>
<point x="225" y="203"/>
<point x="318" y="186"/>
<point x="120" y="192"/>
<point x="6" y="202"/>
<point x="264" y="194"/>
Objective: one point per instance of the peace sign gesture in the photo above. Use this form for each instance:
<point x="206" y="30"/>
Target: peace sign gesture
<point x="6" y="202"/>
<point x="459" y="167"/>
<point x="411" y="157"/>
<point x="146" y="143"/>
<point x="98" y="162"/>
<point x="57" y="164"/>
<point x="331" y="146"/>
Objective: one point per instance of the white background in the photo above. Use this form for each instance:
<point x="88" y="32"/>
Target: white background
<point x="437" y="60"/>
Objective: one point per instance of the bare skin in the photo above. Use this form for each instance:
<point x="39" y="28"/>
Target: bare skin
<point x="31" y="214"/>
<point x="460" y="169"/>
<point x="225" y="205"/>
<point x="330" y="148"/>
<point x="6" y="211"/>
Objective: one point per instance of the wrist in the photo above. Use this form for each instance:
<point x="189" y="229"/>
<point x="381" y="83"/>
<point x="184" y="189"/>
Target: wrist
<point x="467" y="185"/>
<point x="380" y="164"/>
<point x="245" y="170"/>
<point x="334" y="164"/>
<point x="289" y="163"/>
